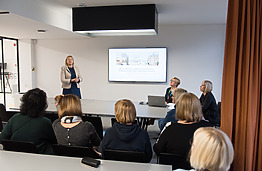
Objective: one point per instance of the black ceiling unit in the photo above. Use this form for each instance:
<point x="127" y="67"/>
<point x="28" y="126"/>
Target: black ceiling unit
<point x="121" y="18"/>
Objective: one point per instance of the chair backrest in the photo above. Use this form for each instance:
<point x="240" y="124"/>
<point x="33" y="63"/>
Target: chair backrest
<point x="19" y="146"/>
<point x="74" y="151"/>
<point x="51" y="115"/>
<point x="1" y="124"/>
<point x="96" y="122"/>
<point x="177" y="161"/>
<point x="120" y="155"/>
<point x="3" y="113"/>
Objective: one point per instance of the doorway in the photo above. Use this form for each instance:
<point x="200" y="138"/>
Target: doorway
<point x="9" y="67"/>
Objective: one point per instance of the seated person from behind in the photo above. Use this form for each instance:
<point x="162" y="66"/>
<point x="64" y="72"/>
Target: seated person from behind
<point x="211" y="150"/>
<point x="125" y="135"/>
<point x="174" y="83"/>
<point x="208" y="102"/>
<point x="171" y="115"/>
<point x="69" y="127"/>
<point x="29" y="125"/>
<point x="175" y="137"/>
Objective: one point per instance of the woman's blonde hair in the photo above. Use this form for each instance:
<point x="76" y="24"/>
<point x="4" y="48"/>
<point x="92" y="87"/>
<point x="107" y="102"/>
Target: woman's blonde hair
<point x="69" y="105"/>
<point x="125" y="111"/>
<point x="208" y="86"/>
<point x="188" y="108"/>
<point x="177" y="93"/>
<point x="69" y="56"/>
<point x="211" y="150"/>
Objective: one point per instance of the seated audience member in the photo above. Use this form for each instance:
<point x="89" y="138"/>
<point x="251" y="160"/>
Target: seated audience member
<point x="174" y="83"/>
<point x="171" y="115"/>
<point x="211" y="150"/>
<point x="175" y="137"/>
<point x="69" y="127"/>
<point x="208" y="102"/>
<point x="125" y="135"/>
<point x="29" y="125"/>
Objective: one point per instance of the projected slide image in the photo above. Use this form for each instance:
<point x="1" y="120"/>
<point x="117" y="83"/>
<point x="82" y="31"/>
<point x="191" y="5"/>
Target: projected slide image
<point x="137" y="64"/>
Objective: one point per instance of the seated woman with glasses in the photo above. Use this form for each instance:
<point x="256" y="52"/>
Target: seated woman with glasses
<point x="174" y="83"/>
<point x="29" y="125"/>
<point x="69" y="127"/>
<point x="175" y="137"/>
<point x="211" y="150"/>
<point x="125" y="135"/>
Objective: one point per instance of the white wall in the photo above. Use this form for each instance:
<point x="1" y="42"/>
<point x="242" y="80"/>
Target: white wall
<point x="195" y="53"/>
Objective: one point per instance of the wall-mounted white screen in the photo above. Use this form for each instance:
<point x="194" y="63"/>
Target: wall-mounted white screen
<point x="137" y="64"/>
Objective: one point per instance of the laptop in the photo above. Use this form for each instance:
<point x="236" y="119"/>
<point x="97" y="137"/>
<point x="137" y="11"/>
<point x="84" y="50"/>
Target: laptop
<point x="158" y="101"/>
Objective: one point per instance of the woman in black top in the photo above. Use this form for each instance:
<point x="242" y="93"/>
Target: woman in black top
<point x="176" y="136"/>
<point x="208" y="102"/>
<point x="69" y="128"/>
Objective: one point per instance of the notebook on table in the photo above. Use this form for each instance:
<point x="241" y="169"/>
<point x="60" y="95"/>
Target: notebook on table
<point x="158" y="101"/>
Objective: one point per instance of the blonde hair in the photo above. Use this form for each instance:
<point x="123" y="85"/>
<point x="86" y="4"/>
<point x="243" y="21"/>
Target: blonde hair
<point x="177" y="93"/>
<point x="125" y="111"/>
<point x="188" y="108"/>
<point x="208" y="86"/>
<point x="69" y="105"/>
<point x="69" y="56"/>
<point x="211" y="150"/>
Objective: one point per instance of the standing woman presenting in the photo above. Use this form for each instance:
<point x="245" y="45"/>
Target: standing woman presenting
<point x="70" y="77"/>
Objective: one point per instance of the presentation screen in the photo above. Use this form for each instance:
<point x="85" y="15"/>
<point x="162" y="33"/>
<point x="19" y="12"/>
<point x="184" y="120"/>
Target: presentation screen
<point x="137" y="64"/>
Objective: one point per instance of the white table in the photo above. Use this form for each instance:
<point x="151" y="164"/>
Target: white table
<point x="16" y="161"/>
<point x="106" y="108"/>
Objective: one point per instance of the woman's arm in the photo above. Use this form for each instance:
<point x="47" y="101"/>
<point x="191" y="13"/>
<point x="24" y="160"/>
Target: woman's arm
<point x="207" y="102"/>
<point x="78" y="75"/>
<point x="64" y="80"/>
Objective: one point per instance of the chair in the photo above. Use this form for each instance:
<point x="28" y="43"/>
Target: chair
<point x="51" y="115"/>
<point x="74" y="151"/>
<point x="129" y="156"/>
<point x="19" y="146"/>
<point x="1" y="125"/>
<point x="3" y="113"/>
<point x="177" y="161"/>
<point x="96" y="122"/>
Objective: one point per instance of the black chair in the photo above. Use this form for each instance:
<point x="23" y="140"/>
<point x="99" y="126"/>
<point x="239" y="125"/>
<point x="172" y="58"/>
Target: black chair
<point x="19" y="146"/>
<point x="1" y="125"/>
<point x="96" y="122"/>
<point x="177" y="161"/>
<point x="74" y="151"/>
<point x="51" y="115"/>
<point x="129" y="156"/>
<point x="3" y="113"/>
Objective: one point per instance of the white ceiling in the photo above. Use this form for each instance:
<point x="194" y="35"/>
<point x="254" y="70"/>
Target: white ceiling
<point x="171" y="12"/>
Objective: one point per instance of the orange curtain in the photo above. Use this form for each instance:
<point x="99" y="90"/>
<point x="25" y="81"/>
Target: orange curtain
<point x="241" y="101"/>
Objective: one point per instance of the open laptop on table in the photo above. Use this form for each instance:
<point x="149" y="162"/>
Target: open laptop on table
<point x="158" y="101"/>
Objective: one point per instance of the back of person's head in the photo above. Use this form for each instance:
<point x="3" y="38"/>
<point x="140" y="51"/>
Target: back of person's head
<point x="211" y="150"/>
<point x="125" y="111"/>
<point x="177" y="93"/>
<point x="208" y="86"/>
<point x="69" y="105"/>
<point x="33" y="103"/>
<point x="188" y="108"/>
<point x="177" y="81"/>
